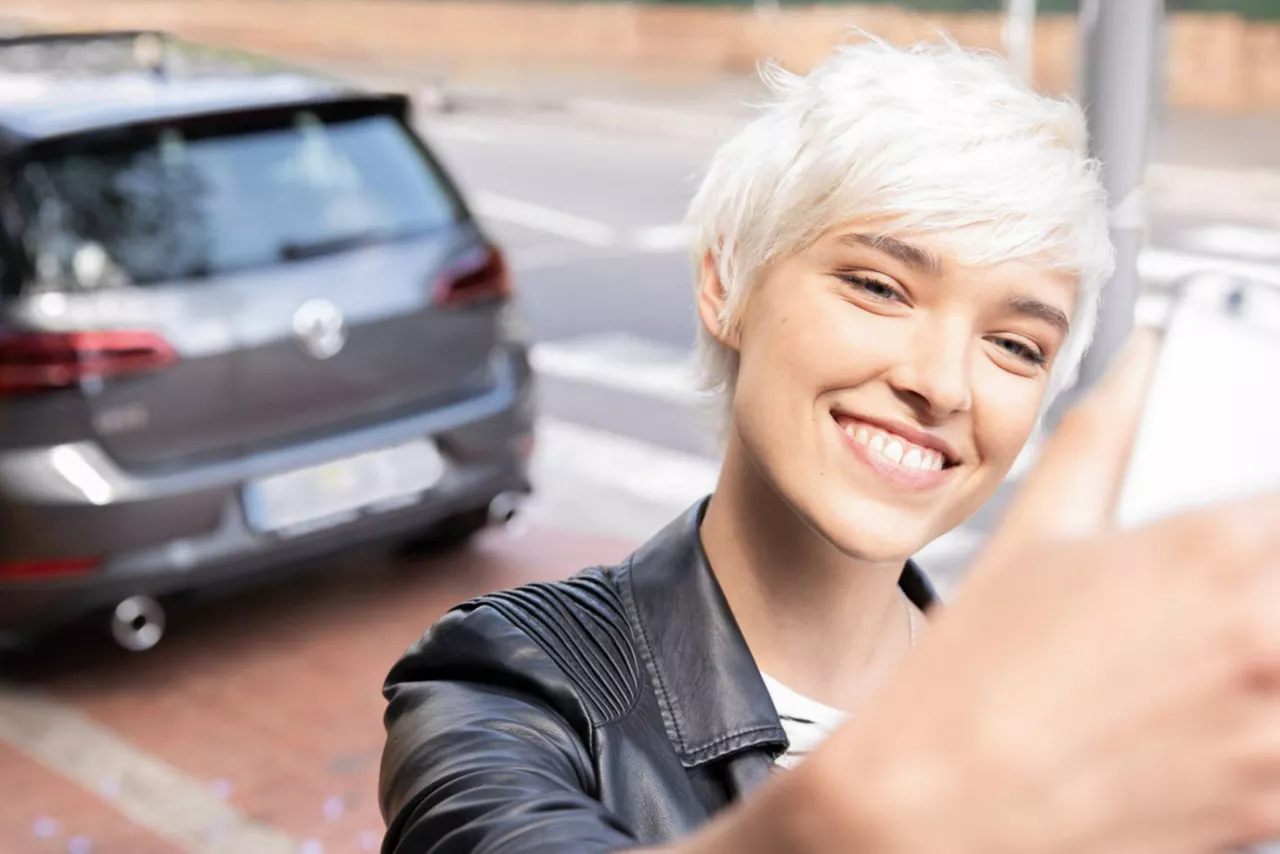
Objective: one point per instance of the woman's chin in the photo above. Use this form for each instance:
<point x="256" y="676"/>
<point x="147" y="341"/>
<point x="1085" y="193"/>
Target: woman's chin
<point x="877" y="536"/>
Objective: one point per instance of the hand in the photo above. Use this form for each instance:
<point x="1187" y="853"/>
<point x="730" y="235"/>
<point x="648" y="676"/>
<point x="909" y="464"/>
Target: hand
<point x="1089" y="690"/>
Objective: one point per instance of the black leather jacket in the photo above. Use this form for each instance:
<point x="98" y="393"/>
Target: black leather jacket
<point x="615" y="709"/>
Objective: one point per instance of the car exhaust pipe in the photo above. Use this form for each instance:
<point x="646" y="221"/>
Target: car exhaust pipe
<point x="138" y="623"/>
<point x="505" y="507"/>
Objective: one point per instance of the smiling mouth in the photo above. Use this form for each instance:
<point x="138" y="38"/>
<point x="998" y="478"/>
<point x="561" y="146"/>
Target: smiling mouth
<point x="890" y="449"/>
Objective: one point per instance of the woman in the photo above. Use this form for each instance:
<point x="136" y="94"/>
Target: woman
<point x="898" y="267"/>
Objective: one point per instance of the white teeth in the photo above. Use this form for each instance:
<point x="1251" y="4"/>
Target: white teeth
<point x="895" y="449"/>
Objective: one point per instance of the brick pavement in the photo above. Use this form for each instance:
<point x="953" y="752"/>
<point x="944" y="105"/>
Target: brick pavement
<point x="269" y="700"/>
<point x="42" y="813"/>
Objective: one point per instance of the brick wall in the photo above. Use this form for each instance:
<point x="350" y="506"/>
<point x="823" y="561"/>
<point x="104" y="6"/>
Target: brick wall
<point x="1216" y="61"/>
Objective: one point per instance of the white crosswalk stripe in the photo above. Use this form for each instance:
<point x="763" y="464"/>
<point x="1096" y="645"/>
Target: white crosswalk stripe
<point x="591" y="480"/>
<point x="541" y="218"/>
<point x="1159" y="266"/>
<point x="1234" y="239"/>
<point x="622" y="362"/>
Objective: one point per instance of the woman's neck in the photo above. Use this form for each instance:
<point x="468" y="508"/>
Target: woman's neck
<point x="821" y="622"/>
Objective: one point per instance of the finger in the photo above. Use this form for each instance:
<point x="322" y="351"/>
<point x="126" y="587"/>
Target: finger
<point x="1242" y="533"/>
<point x="1073" y="488"/>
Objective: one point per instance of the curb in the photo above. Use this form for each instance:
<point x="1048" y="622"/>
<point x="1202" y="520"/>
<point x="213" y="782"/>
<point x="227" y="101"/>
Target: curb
<point x="614" y="115"/>
<point x="446" y="98"/>
<point x="712" y="126"/>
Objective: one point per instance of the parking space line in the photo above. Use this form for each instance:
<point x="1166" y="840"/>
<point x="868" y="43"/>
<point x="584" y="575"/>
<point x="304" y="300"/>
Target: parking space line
<point x="672" y="237"/>
<point x="622" y="362"/>
<point x="149" y="792"/>
<point x="605" y="466"/>
<point x="547" y="220"/>
<point x="1235" y="239"/>
<point x="1162" y="266"/>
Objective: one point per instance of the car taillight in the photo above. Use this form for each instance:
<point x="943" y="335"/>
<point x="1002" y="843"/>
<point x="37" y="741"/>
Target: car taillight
<point x="33" y="570"/>
<point x="38" y="361"/>
<point x="480" y="276"/>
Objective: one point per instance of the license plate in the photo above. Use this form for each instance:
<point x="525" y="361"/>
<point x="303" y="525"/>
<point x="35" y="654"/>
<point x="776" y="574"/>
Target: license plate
<point x="335" y="492"/>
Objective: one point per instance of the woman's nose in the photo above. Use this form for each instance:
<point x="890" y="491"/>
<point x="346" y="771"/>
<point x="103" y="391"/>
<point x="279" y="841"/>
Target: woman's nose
<point x="935" y="372"/>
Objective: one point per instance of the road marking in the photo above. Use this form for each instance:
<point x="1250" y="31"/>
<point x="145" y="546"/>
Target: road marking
<point x="571" y="456"/>
<point x="1234" y="240"/>
<point x="662" y="238"/>
<point x="544" y="219"/>
<point x="150" y="793"/>
<point x="1163" y="266"/>
<point x="546" y="255"/>
<point x="623" y="362"/>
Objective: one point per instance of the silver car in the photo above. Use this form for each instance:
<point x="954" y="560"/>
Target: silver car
<point x="245" y="319"/>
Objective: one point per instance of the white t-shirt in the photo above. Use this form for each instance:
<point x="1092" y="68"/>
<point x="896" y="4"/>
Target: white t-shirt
<point x="806" y="722"/>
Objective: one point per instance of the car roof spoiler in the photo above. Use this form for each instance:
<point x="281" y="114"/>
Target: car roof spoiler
<point x="78" y="37"/>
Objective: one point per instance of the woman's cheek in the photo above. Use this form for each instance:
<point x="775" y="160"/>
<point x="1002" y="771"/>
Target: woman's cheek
<point x="1005" y="410"/>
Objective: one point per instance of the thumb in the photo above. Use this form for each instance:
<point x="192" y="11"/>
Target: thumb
<point x="1073" y="487"/>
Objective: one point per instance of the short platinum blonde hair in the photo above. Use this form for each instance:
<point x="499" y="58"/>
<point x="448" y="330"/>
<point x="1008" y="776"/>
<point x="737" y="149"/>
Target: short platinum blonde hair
<point x="932" y="140"/>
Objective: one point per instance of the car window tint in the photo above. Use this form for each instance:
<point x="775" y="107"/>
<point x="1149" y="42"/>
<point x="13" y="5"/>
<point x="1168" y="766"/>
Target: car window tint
<point x="173" y="207"/>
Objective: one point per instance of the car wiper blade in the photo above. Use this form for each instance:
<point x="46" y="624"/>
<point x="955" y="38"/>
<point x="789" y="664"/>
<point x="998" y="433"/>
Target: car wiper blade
<point x="296" y="250"/>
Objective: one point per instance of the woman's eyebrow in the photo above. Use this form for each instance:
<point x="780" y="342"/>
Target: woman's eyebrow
<point x="1034" y="308"/>
<point x="919" y="258"/>
<point x="908" y="253"/>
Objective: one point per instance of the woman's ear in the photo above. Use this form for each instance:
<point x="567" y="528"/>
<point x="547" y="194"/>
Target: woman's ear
<point x="711" y="304"/>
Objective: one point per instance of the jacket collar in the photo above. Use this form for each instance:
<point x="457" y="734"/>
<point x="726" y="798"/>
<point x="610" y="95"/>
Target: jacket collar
<point x="712" y="698"/>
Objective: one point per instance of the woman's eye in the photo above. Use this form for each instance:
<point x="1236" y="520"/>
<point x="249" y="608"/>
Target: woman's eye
<point x="873" y="287"/>
<point x="1023" y="351"/>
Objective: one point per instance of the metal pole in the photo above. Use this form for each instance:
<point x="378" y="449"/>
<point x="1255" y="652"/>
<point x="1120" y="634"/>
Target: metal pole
<point x="1121" y="83"/>
<point x="1020" y="35"/>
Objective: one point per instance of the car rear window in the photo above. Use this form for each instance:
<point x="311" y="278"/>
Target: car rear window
<point x="166" y="205"/>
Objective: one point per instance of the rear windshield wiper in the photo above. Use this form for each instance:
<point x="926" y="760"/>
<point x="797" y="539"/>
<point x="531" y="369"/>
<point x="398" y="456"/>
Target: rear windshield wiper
<point x="295" y="250"/>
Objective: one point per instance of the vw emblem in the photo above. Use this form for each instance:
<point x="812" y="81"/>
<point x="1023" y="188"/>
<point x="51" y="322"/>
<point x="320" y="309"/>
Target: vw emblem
<point x="320" y="328"/>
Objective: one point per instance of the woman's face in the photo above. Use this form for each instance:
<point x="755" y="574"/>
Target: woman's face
<point x="883" y="390"/>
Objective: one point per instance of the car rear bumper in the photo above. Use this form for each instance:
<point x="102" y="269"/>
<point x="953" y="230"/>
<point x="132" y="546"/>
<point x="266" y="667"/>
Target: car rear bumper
<point x="175" y="531"/>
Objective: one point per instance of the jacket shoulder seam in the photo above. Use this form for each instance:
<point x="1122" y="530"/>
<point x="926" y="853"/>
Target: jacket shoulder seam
<point x="646" y="652"/>
<point x="581" y="626"/>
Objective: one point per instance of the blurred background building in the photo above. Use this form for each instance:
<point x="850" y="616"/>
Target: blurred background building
<point x="1222" y="54"/>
